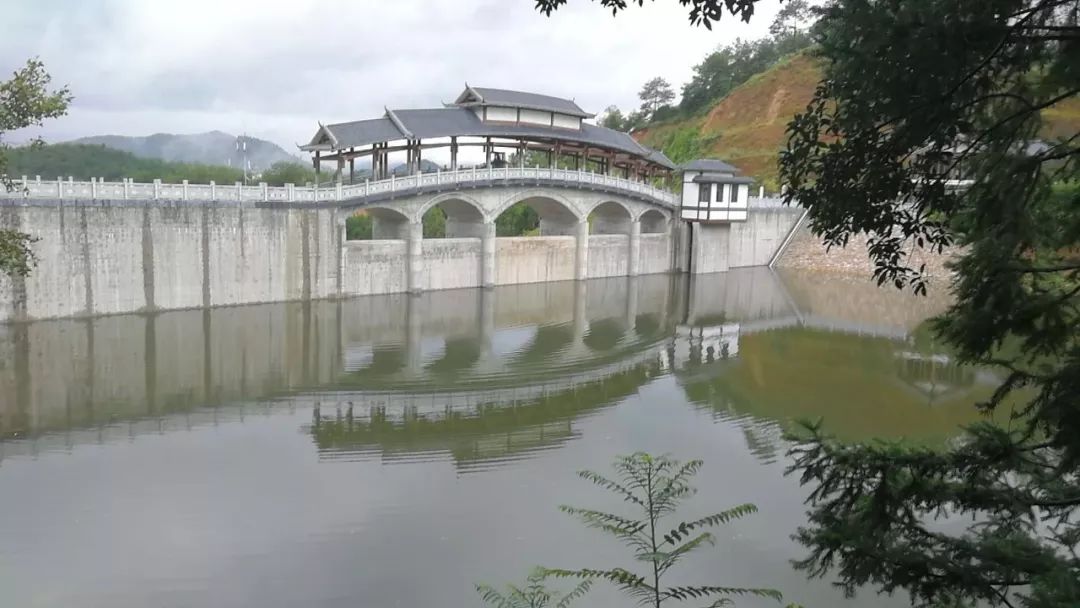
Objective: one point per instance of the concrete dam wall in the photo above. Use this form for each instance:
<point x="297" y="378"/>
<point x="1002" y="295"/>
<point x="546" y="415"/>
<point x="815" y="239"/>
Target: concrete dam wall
<point x="144" y="256"/>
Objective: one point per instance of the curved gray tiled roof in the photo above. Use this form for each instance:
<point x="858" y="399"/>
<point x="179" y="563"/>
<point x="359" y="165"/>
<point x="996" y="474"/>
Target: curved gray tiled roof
<point x="521" y="99"/>
<point x="446" y="122"/>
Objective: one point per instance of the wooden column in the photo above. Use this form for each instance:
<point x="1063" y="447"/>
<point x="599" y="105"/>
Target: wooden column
<point x="352" y="169"/>
<point x="487" y="152"/>
<point x="453" y="153"/>
<point x="318" y="166"/>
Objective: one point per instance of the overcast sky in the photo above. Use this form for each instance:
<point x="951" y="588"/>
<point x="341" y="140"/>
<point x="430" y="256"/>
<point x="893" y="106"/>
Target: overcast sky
<point x="273" y="68"/>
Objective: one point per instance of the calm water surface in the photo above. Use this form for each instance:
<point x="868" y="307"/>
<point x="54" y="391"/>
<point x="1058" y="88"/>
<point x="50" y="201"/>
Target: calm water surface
<point x="393" y="451"/>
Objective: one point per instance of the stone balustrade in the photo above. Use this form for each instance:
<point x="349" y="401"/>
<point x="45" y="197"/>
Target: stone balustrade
<point x="127" y="189"/>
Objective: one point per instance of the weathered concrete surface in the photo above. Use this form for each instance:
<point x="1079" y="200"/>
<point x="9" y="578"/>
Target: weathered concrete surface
<point x="111" y="259"/>
<point x="609" y="255"/>
<point x="718" y="247"/>
<point x="534" y="259"/>
<point x="655" y="255"/>
<point x="373" y="267"/>
<point x="144" y="256"/>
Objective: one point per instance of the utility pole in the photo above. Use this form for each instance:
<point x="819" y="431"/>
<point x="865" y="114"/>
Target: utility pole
<point x="241" y="150"/>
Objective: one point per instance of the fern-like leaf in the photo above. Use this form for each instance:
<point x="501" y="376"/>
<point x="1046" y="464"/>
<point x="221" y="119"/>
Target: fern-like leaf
<point x="665" y="560"/>
<point x="705" y="591"/>
<point x="607" y="484"/>
<point x="685" y="528"/>
<point x="581" y="589"/>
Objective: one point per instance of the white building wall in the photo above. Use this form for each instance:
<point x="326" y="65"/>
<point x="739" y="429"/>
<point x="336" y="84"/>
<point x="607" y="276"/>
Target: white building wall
<point x="501" y="114"/>
<point x="567" y="122"/>
<point x="536" y="117"/>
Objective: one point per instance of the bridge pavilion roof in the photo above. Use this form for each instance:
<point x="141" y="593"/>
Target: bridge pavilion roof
<point x="483" y="96"/>
<point x="468" y="117"/>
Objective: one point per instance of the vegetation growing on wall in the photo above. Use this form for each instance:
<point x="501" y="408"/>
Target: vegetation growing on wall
<point x="25" y="101"/>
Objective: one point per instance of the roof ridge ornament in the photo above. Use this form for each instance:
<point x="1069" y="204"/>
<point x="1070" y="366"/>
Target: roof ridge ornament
<point x="330" y="134"/>
<point x="397" y="123"/>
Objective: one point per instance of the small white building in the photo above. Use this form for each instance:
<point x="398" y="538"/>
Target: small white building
<point x="714" y="192"/>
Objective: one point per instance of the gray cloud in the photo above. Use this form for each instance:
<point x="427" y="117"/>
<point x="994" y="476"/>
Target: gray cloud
<point x="273" y="69"/>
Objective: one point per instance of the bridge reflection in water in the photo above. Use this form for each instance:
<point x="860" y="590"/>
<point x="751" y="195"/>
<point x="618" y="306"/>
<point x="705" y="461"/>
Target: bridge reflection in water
<point x="487" y="376"/>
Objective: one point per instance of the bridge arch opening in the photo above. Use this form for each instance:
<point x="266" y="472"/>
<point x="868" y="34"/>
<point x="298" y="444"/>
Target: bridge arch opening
<point x="653" y="222"/>
<point x="453" y="218"/>
<point x="376" y="224"/>
<point x="609" y="218"/>
<point x="536" y="216"/>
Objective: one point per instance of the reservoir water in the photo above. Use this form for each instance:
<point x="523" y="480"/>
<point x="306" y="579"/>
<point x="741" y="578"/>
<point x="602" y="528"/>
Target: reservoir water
<point x="396" y="450"/>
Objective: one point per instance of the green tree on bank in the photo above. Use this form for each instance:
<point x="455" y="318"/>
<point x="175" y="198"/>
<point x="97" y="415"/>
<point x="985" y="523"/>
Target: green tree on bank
<point x="25" y="101"/>
<point x="915" y="92"/>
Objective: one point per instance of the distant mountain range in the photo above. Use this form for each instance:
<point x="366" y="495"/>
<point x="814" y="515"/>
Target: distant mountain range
<point x="213" y="148"/>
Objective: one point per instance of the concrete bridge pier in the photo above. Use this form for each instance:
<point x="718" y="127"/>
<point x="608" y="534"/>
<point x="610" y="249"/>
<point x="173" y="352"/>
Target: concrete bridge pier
<point x="634" y="262"/>
<point x="416" y="257"/>
<point x="581" y="268"/>
<point x="487" y="249"/>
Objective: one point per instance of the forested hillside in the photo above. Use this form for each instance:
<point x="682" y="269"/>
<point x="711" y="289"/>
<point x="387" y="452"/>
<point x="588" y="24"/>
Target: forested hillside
<point x="213" y="148"/>
<point x="747" y="126"/>
<point x="83" y="161"/>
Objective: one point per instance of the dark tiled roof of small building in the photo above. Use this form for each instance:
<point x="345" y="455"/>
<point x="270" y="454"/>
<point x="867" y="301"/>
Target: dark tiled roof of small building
<point x="710" y="165"/>
<point x="715" y="178"/>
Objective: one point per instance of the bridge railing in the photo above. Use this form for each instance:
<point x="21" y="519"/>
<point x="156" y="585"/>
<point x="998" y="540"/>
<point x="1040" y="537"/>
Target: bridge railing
<point x="97" y="189"/>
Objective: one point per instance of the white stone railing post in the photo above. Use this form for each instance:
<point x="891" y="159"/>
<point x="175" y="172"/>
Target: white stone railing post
<point x="266" y="191"/>
<point x="367" y="187"/>
<point x="213" y="191"/>
<point x="393" y="182"/>
<point x="289" y="193"/>
<point x="337" y="190"/>
<point x="59" y="187"/>
<point x="127" y="188"/>
<point x="438" y="176"/>
<point x="185" y="189"/>
<point x="93" y="188"/>
<point x="157" y="189"/>
<point x="240" y="193"/>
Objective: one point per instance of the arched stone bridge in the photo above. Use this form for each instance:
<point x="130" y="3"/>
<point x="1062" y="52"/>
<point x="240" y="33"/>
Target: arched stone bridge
<point x="590" y="226"/>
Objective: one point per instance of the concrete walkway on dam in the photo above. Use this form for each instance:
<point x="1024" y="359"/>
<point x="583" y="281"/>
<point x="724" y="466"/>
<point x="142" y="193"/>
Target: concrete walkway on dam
<point x="112" y="256"/>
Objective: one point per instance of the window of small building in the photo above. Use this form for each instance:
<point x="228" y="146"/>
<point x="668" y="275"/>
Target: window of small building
<point x="704" y="193"/>
<point x="720" y="192"/>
